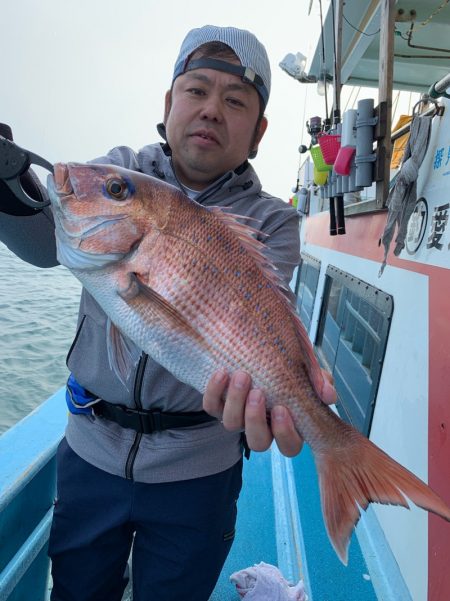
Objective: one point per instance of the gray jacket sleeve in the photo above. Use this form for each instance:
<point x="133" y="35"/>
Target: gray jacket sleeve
<point x="123" y="156"/>
<point x="31" y="238"/>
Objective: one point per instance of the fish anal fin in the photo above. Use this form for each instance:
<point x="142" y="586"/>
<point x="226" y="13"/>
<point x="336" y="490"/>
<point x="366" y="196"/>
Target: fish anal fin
<point x="360" y="473"/>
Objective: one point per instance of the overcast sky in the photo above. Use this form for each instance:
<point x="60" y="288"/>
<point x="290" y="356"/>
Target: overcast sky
<point x="78" y="78"/>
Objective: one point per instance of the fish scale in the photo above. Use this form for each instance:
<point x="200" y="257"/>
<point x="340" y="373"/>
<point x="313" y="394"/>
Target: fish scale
<point x="190" y="286"/>
<point x="226" y="283"/>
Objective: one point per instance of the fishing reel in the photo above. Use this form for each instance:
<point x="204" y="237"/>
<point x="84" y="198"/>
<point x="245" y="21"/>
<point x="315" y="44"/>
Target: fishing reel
<point x="315" y="126"/>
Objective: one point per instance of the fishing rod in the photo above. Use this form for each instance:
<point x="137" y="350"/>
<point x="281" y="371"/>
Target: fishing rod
<point x="337" y="219"/>
<point x="14" y="163"/>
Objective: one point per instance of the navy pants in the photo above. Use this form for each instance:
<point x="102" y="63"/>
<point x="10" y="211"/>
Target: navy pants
<point x="182" y="533"/>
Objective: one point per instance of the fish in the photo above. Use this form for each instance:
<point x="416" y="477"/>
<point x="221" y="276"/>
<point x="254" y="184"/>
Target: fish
<point x="192" y="287"/>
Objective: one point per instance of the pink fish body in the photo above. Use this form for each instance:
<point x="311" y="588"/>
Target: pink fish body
<point x="190" y="286"/>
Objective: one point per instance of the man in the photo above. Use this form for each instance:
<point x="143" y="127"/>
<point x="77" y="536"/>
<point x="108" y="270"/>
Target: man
<point x="170" y="489"/>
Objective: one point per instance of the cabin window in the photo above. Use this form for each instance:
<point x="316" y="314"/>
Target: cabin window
<point x="351" y="342"/>
<point x="306" y="287"/>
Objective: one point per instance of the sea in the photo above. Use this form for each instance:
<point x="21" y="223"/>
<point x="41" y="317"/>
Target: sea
<point x="38" y="315"/>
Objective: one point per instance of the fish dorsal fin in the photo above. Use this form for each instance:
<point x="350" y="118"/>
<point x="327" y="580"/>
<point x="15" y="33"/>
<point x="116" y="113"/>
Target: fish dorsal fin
<point x="246" y="235"/>
<point x="257" y="249"/>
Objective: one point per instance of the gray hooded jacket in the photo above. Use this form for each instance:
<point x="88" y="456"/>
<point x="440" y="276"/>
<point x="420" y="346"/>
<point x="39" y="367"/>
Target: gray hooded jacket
<point x="180" y="453"/>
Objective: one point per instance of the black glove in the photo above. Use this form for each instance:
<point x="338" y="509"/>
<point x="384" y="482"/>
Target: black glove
<point x="9" y="203"/>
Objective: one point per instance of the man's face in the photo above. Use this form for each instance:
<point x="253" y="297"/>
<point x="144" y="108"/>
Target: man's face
<point x="210" y="119"/>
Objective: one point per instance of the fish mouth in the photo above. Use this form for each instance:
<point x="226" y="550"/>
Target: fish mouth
<point x="61" y="178"/>
<point x="74" y="226"/>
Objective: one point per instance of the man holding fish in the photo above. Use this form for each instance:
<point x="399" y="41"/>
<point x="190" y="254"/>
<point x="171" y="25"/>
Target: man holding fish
<point x="145" y="457"/>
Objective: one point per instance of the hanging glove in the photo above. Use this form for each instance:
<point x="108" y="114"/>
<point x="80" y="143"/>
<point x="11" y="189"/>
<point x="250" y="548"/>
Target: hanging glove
<point x="9" y="203"/>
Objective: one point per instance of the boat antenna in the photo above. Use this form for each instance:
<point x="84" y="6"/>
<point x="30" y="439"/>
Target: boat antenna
<point x="323" y="60"/>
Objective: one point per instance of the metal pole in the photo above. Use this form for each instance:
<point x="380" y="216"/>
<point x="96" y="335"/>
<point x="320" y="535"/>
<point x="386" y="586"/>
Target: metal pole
<point x="337" y="59"/>
<point x="440" y="87"/>
<point x="385" y="77"/>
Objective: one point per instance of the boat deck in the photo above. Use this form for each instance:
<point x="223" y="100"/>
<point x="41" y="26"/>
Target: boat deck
<point x="279" y="519"/>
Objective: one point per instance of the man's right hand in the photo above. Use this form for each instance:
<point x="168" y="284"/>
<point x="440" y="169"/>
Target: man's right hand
<point x="9" y="203"/>
<point x="232" y="399"/>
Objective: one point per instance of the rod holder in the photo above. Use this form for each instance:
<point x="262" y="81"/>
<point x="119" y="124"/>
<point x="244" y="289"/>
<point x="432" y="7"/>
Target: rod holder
<point x="364" y="156"/>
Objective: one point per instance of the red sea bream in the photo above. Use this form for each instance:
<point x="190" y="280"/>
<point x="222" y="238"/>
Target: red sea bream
<point x="190" y="286"/>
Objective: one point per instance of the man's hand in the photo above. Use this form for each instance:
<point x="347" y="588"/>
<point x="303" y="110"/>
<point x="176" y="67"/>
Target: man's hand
<point x="239" y="406"/>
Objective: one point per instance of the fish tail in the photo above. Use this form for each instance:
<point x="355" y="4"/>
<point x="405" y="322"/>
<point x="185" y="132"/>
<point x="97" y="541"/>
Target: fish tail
<point x="360" y="473"/>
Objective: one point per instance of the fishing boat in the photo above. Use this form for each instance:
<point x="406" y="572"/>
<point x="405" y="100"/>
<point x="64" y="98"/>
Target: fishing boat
<point x="383" y="332"/>
<point x="383" y="336"/>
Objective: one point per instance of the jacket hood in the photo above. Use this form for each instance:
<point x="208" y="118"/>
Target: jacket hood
<point x="243" y="181"/>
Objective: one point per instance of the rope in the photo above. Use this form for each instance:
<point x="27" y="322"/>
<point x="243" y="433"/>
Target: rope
<point x="438" y="10"/>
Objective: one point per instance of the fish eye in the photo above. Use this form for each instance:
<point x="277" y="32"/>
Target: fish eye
<point x="117" y="188"/>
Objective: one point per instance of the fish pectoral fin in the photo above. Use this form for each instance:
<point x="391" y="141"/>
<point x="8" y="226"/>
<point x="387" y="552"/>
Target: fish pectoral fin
<point x="164" y="310"/>
<point x="358" y="474"/>
<point x="123" y="354"/>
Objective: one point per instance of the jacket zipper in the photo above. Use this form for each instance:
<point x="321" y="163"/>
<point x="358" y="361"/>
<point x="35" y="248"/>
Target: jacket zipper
<point x="137" y="402"/>
<point x="72" y="346"/>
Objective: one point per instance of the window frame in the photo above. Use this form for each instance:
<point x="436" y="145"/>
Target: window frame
<point x="314" y="263"/>
<point x="383" y="303"/>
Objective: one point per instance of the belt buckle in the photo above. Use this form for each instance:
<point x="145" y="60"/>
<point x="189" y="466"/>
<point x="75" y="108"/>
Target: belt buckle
<point x="150" y="421"/>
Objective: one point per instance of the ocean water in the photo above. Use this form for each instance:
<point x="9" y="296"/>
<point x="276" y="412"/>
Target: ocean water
<point x="38" y="313"/>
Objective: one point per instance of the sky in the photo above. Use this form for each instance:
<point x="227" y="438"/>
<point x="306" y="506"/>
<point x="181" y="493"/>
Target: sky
<point x="79" y="78"/>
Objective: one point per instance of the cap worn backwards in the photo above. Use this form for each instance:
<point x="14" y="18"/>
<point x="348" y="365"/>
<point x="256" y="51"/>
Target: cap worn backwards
<point x="254" y="68"/>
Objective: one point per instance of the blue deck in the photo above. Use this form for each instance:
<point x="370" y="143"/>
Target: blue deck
<point x="255" y="531"/>
<point x="279" y="521"/>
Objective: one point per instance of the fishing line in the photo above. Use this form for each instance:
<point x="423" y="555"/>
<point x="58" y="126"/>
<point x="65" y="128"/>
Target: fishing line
<point x="359" y="30"/>
<point x="409" y="104"/>
<point x="395" y="106"/>
<point x="352" y="90"/>
<point x="304" y="114"/>
<point x="300" y="164"/>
